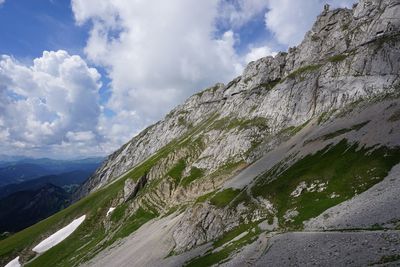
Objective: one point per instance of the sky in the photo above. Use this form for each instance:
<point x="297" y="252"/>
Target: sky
<point x="80" y="78"/>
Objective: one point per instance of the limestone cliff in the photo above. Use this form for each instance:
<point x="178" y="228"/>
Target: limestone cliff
<point x="348" y="55"/>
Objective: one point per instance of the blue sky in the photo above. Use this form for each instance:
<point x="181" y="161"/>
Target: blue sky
<point x="29" y="27"/>
<point x="81" y="77"/>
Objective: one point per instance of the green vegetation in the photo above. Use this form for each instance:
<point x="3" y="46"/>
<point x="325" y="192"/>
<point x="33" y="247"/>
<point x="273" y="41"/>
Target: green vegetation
<point x="231" y="234"/>
<point x="350" y="107"/>
<point x="94" y="206"/>
<point x="118" y="213"/>
<point x="270" y="85"/>
<point x="385" y="39"/>
<point x="133" y="223"/>
<point x="395" y="116"/>
<point x="303" y="70"/>
<point x="228" y="169"/>
<point x="345" y="130"/>
<point x="177" y="169"/>
<point x="292" y="130"/>
<point x="338" y="58"/>
<point x="204" y="198"/>
<point x="337" y="172"/>
<point x="181" y="121"/>
<point x="324" y="117"/>
<point x="345" y="27"/>
<point x="195" y="173"/>
<point x="212" y="258"/>
<point x="232" y="123"/>
<point x="388" y="259"/>
<point x="223" y="198"/>
<point x="85" y="242"/>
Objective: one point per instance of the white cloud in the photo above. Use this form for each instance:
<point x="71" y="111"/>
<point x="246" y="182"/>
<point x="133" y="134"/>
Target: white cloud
<point x="259" y="52"/>
<point x="2" y="2"/>
<point x="52" y="102"/>
<point x="236" y="13"/>
<point x="289" y="20"/>
<point x="156" y="54"/>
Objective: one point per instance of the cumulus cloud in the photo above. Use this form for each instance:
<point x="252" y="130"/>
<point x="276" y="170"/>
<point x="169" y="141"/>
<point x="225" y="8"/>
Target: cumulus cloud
<point x="289" y="20"/>
<point x="156" y="54"/>
<point x="236" y="13"/>
<point x="49" y="105"/>
<point x="259" y="52"/>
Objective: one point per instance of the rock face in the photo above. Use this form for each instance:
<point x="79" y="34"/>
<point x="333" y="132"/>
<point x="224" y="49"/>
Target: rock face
<point x="302" y="140"/>
<point x="347" y="55"/>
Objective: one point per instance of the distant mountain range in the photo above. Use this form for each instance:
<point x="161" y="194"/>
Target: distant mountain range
<point x="24" y="169"/>
<point x="24" y="208"/>
<point x="64" y="180"/>
<point x="33" y="189"/>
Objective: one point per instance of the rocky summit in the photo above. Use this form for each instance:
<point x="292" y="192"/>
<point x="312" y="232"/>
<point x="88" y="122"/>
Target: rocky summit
<point x="294" y="163"/>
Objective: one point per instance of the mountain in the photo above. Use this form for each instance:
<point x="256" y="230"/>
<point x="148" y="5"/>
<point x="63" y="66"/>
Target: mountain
<point x="25" y="169"/>
<point x="24" y="208"/>
<point x="21" y="172"/>
<point x="28" y="197"/>
<point x="67" y="180"/>
<point x="294" y="163"/>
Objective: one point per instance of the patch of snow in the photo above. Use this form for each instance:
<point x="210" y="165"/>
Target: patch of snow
<point x="14" y="263"/>
<point x="58" y="236"/>
<point x="111" y="209"/>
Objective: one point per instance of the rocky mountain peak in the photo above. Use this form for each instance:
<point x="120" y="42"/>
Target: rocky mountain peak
<point x="342" y="58"/>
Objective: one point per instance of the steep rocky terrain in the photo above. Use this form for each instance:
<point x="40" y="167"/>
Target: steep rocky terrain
<point x="296" y="162"/>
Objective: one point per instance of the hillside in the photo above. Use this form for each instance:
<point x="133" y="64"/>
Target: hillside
<point x="25" y="208"/>
<point x="296" y="162"/>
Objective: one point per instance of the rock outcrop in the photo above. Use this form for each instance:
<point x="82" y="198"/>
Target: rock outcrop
<point x="349" y="54"/>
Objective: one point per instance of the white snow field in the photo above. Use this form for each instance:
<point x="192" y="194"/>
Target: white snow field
<point x="14" y="263"/>
<point x="58" y="236"/>
<point x="110" y="210"/>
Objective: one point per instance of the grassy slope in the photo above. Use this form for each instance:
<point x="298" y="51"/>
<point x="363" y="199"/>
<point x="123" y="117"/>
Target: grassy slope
<point x="84" y="242"/>
<point x="345" y="170"/>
